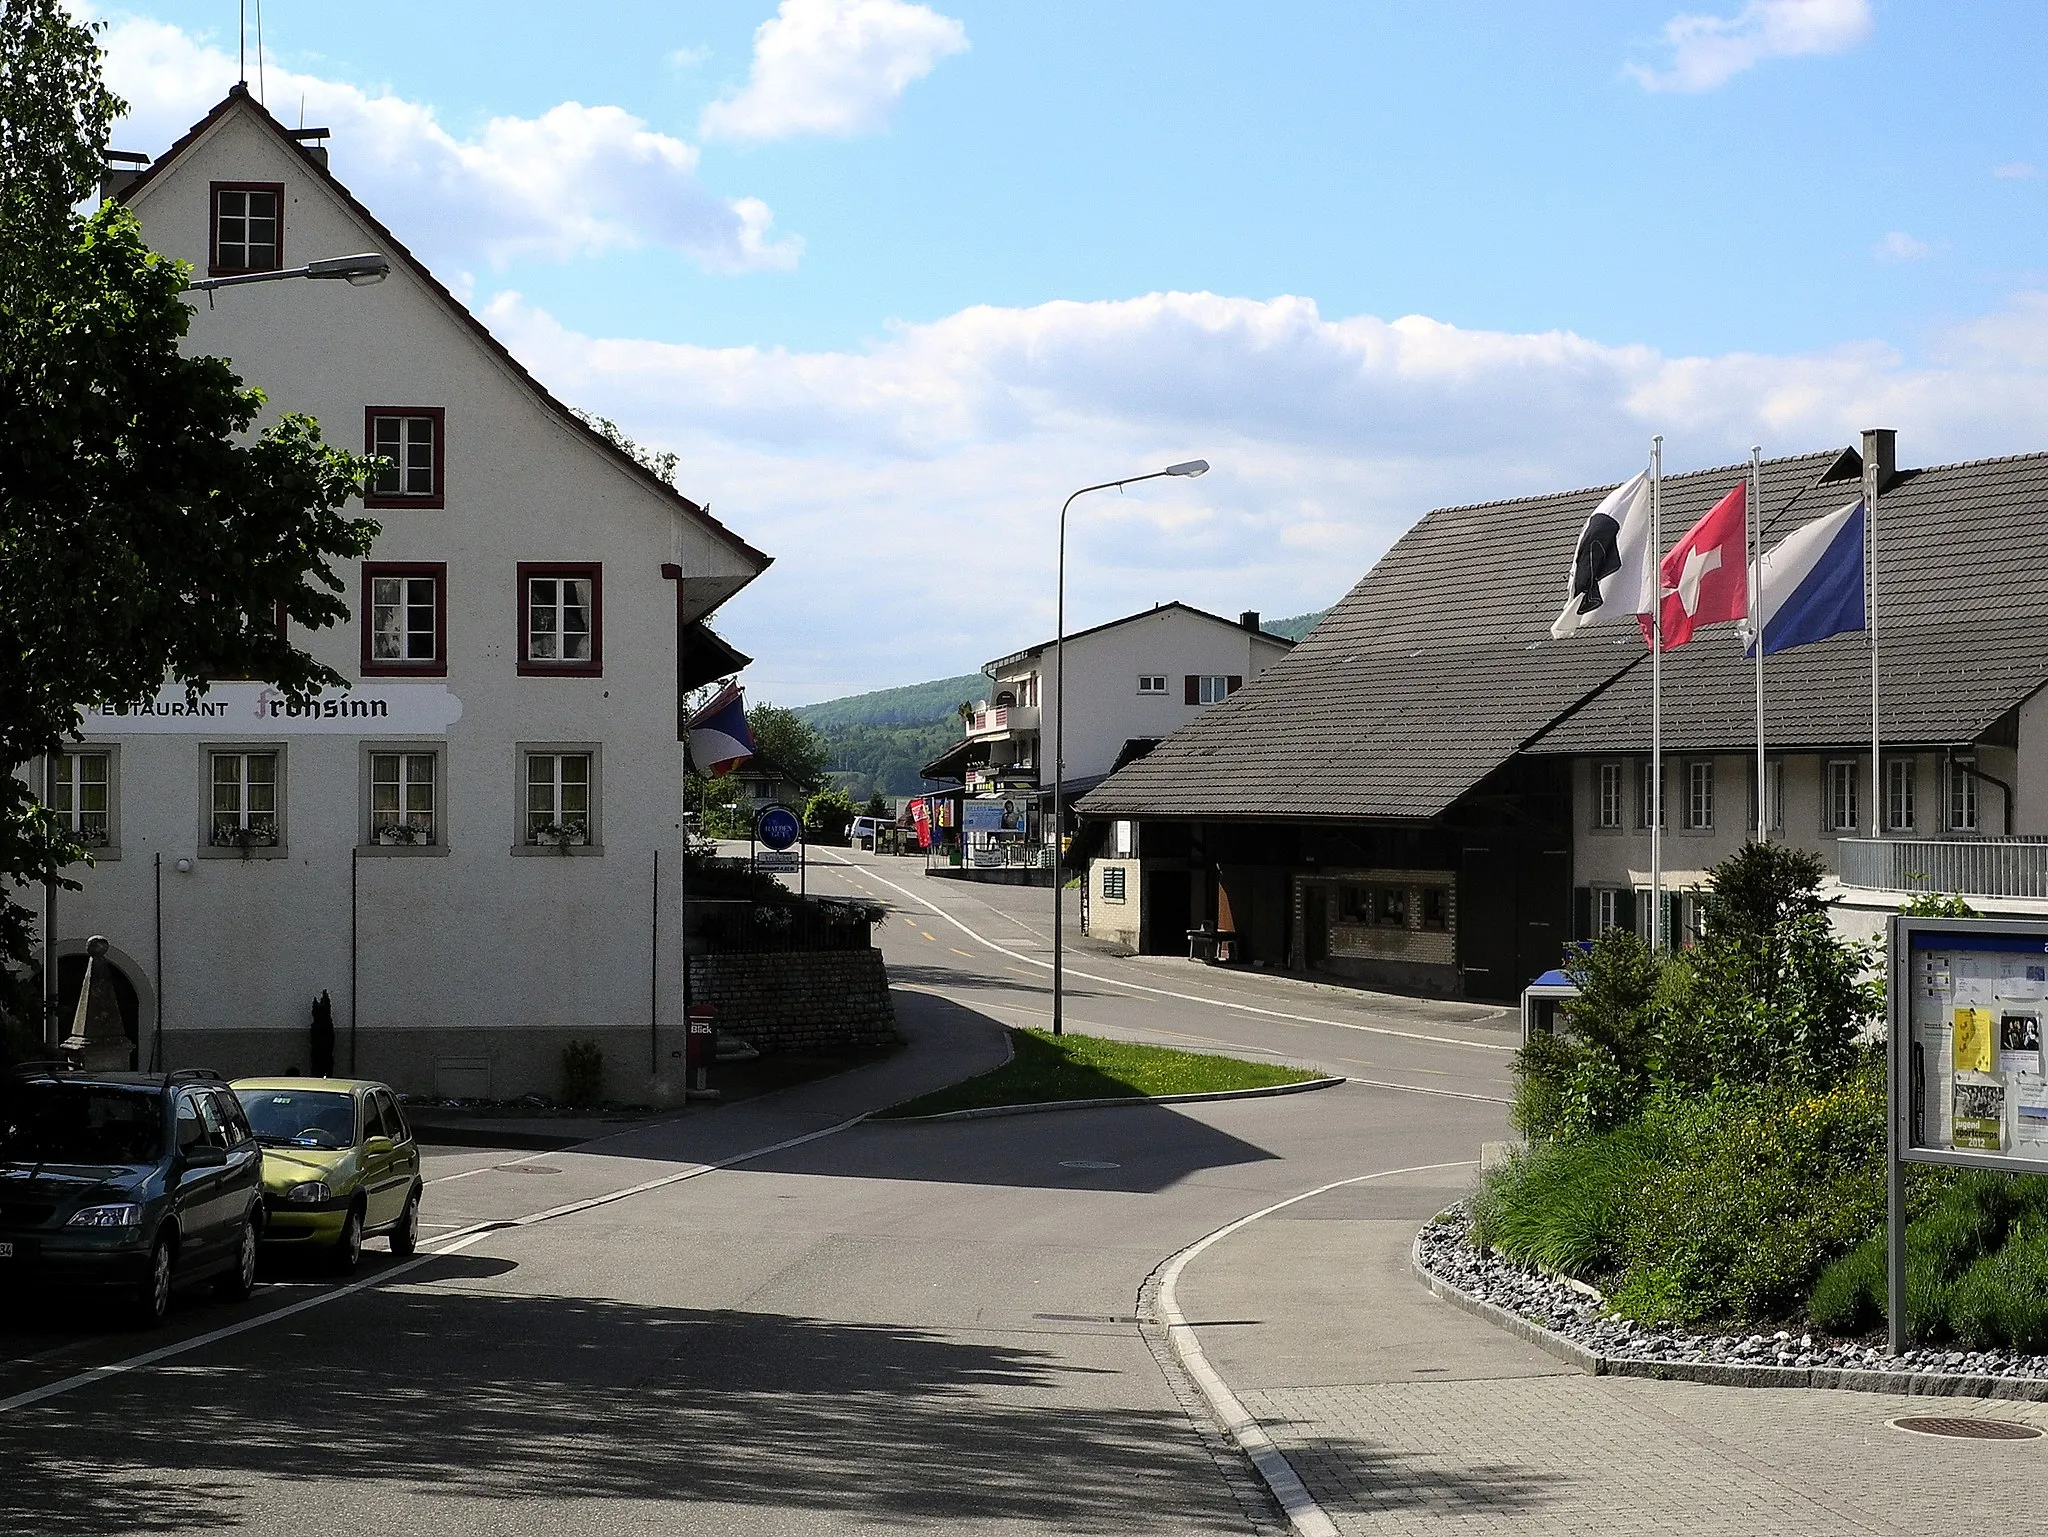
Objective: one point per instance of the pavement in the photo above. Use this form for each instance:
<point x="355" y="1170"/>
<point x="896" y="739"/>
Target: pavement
<point x="776" y="1317"/>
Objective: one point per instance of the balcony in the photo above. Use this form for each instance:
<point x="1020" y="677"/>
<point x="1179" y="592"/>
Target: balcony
<point x="1002" y="720"/>
<point x="1972" y="867"/>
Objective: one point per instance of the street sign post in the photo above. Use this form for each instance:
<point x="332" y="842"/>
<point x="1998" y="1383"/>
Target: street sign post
<point x="780" y="831"/>
<point x="1966" y="999"/>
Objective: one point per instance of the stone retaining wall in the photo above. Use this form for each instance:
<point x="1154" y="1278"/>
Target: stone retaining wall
<point x="797" y="1001"/>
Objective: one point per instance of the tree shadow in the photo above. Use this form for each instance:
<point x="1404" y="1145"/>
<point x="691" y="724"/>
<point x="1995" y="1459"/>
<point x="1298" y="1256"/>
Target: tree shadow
<point x="467" y="1395"/>
<point x="1352" y="1477"/>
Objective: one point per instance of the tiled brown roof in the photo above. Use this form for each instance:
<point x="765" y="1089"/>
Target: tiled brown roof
<point x="1962" y="634"/>
<point x="1435" y="669"/>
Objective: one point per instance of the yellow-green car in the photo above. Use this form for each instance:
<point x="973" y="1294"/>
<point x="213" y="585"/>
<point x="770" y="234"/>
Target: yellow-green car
<point x="339" y="1165"/>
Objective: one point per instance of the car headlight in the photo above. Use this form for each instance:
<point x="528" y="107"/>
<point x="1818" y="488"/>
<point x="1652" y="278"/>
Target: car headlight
<point x="124" y="1214"/>
<point x="311" y="1193"/>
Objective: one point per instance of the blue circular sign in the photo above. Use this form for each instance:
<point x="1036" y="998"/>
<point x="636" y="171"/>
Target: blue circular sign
<point x="778" y="827"/>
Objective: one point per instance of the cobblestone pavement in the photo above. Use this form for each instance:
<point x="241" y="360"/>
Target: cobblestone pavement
<point x="1402" y="1414"/>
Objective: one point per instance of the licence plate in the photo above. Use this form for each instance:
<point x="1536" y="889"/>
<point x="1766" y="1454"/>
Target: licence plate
<point x="6" y="1249"/>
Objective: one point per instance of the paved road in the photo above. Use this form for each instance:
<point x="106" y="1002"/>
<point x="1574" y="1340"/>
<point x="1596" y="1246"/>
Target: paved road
<point x="763" y="1319"/>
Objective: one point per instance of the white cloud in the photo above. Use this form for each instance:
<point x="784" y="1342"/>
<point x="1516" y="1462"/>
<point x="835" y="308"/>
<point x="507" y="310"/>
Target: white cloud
<point x="571" y="182"/>
<point x="929" y="468"/>
<point x="1898" y="246"/>
<point x="833" y="67"/>
<point x="2016" y="170"/>
<point x="1709" y="51"/>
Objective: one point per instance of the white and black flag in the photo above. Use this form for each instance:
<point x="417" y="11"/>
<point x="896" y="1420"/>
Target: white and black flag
<point x="1610" y="575"/>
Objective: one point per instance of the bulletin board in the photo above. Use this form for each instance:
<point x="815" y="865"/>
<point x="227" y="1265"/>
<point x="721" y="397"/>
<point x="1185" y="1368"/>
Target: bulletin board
<point x="1969" y="1000"/>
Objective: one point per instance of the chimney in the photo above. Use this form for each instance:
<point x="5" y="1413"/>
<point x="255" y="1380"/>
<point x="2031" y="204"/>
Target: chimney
<point x="121" y="169"/>
<point x="308" y="141"/>
<point x="1249" y="620"/>
<point x="1881" y="453"/>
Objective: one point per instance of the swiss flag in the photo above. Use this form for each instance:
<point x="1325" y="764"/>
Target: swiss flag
<point x="1704" y="579"/>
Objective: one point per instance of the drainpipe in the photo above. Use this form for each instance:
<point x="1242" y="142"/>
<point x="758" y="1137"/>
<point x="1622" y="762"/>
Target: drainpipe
<point x="1967" y="762"/>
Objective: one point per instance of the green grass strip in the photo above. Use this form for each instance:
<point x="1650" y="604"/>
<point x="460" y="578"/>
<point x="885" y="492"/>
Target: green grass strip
<point x="1048" y="1068"/>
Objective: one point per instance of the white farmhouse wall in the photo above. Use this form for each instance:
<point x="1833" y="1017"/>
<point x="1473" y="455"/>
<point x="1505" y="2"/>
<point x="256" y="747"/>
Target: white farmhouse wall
<point x="451" y="952"/>
<point x="1104" y="707"/>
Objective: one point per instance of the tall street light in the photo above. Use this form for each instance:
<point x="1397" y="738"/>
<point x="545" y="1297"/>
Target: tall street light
<point x="361" y="270"/>
<point x="1191" y="468"/>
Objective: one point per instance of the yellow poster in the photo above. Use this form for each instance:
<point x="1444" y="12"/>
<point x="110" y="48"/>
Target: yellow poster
<point x="1975" y="1040"/>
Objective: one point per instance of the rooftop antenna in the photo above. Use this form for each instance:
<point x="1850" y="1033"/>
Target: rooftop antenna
<point x="260" y="94"/>
<point x="242" y="40"/>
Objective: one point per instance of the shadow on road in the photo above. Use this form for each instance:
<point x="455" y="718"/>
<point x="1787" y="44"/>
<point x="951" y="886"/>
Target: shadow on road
<point x="546" y="1398"/>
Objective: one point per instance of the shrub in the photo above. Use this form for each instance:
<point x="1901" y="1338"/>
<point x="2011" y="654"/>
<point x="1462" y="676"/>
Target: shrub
<point x="1564" y="1205"/>
<point x="2002" y="1300"/>
<point x="1759" y="1192"/>
<point x="1959" y="1285"/>
<point x="582" y="1073"/>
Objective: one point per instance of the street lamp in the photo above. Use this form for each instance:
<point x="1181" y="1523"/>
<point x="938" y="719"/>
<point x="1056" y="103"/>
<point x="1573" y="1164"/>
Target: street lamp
<point x="361" y="270"/>
<point x="1190" y="468"/>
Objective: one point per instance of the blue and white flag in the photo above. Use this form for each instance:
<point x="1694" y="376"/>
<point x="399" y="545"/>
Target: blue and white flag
<point x="1812" y="584"/>
<point x="719" y="739"/>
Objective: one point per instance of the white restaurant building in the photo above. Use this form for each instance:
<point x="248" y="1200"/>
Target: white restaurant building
<point x="472" y="850"/>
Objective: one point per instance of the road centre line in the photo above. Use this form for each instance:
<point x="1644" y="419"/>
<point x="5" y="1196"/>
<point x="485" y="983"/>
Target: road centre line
<point x="1161" y="992"/>
<point x="452" y="1243"/>
<point x="1303" y="1513"/>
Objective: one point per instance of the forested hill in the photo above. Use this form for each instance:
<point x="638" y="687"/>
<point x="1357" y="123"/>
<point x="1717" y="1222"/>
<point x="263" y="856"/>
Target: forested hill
<point x="1295" y="628"/>
<point x="914" y="704"/>
<point x="878" y="741"/>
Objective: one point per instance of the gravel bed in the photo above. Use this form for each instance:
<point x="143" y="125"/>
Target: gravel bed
<point x="1579" y="1314"/>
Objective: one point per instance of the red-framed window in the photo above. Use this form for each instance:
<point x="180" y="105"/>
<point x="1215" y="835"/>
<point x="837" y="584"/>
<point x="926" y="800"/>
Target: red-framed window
<point x="405" y="619"/>
<point x="245" y="227"/>
<point x="415" y="441"/>
<point x="561" y="619"/>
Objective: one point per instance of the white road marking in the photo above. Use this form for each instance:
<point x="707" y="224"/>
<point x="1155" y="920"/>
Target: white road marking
<point x="1306" y="1516"/>
<point x="1161" y="992"/>
<point x="451" y="1243"/>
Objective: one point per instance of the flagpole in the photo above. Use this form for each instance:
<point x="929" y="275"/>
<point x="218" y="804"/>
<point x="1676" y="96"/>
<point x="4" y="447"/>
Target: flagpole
<point x="1656" y="577"/>
<point x="1756" y="607"/>
<point x="1870" y="627"/>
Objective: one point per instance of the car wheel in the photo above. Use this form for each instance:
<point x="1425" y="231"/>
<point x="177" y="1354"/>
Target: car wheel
<point x="405" y="1238"/>
<point x="348" y="1248"/>
<point x="153" y="1292"/>
<point x="238" y="1283"/>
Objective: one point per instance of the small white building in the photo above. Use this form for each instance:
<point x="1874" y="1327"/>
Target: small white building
<point x="1131" y="683"/>
<point x="473" y="851"/>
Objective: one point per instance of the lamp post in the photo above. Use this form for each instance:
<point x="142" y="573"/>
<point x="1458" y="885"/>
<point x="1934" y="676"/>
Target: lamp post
<point x="360" y="270"/>
<point x="1191" y="468"/>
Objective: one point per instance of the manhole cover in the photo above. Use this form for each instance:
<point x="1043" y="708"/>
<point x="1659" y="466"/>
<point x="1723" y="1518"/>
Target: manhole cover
<point x="526" y="1168"/>
<point x="1967" y="1429"/>
<point x="1087" y="1163"/>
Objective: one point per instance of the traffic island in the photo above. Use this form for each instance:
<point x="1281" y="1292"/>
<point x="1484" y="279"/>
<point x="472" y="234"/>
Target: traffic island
<point x="1573" y="1322"/>
<point x="1072" y="1072"/>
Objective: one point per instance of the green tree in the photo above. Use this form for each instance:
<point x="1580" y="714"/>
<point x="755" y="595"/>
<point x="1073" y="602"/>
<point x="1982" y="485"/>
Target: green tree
<point x="876" y="806"/>
<point x="144" y="535"/>
<point x="828" y="815"/>
<point x="788" y="746"/>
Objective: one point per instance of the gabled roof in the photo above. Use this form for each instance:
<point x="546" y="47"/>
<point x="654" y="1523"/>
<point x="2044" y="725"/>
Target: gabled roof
<point x="238" y="96"/>
<point x="1962" y="636"/>
<point x="1158" y="608"/>
<point x="1433" y="671"/>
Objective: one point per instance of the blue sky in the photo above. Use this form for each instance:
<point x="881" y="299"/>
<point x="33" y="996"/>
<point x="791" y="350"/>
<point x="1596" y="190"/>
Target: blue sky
<point x="888" y="300"/>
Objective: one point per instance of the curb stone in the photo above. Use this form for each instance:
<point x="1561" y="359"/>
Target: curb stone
<point x="983" y="1112"/>
<point x="1720" y="1374"/>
